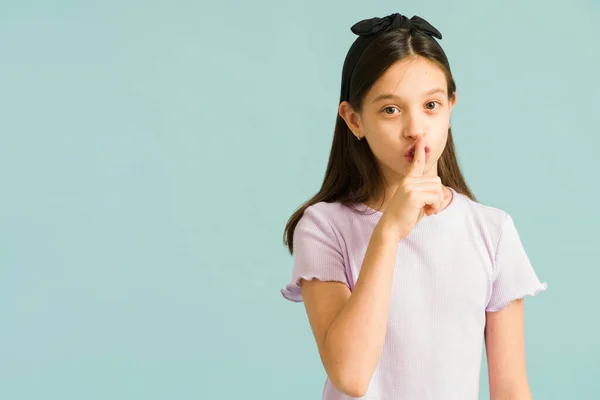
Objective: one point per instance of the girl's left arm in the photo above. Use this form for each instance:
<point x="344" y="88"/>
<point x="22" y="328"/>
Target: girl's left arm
<point x="505" y="350"/>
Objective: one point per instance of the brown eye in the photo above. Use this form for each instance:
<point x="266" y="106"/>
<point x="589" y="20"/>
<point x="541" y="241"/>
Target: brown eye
<point x="389" y="108"/>
<point x="433" y="102"/>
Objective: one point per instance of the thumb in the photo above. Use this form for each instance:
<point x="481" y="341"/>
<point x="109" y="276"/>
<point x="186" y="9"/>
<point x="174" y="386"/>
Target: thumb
<point x="421" y="214"/>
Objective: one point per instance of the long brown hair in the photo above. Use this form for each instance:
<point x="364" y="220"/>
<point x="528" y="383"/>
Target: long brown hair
<point x="353" y="175"/>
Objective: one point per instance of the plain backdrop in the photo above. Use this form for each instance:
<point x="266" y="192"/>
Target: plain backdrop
<point x="151" y="153"/>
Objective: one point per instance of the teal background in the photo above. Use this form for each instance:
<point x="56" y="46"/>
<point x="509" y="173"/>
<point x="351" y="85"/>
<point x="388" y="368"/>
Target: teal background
<point x="151" y="153"/>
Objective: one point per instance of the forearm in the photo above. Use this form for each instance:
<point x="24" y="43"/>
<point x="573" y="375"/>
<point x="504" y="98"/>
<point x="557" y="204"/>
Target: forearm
<point x="515" y="392"/>
<point x="356" y="337"/>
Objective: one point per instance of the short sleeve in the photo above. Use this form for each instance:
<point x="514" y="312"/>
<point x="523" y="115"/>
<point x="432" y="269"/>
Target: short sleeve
<point x="317" y="254"/>
<point x="514" y="277"/>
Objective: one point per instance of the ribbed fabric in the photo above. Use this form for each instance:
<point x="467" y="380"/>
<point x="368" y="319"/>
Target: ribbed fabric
<point x="450" y="270"/>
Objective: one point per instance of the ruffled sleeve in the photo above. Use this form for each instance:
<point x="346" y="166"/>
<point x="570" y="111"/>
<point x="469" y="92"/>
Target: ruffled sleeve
<point x="317" y="254"/>
<point x="514" y="277"/>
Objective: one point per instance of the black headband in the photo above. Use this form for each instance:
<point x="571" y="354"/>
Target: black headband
<point x="368" y="30"/>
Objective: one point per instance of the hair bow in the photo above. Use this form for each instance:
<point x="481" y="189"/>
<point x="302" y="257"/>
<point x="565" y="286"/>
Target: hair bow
<point x="376" y="25"/>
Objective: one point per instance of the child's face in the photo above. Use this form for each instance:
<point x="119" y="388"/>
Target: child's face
<point x="391" y="125"/>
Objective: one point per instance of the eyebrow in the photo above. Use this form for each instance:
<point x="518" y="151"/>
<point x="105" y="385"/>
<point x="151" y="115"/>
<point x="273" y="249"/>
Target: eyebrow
<point x="392" y="96"/>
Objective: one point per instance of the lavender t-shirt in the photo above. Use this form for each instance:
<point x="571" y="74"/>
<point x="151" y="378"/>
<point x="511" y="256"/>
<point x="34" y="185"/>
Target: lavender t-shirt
<point x="450" y="270"/>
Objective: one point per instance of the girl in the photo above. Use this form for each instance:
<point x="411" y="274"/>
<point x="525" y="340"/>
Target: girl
<point x="402" y="272"/>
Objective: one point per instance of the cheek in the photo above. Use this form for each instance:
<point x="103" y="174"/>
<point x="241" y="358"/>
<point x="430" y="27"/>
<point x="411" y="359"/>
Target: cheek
<point x="440" y="143"/>
<point x="386" y="150"/>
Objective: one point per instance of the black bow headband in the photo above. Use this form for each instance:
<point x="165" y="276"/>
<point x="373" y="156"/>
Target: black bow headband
<point x="367" y="30"/>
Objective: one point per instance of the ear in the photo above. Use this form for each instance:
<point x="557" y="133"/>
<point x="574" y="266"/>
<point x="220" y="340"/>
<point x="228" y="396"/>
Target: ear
<point x="452" y="101"/>
<point x="351" y="117"/>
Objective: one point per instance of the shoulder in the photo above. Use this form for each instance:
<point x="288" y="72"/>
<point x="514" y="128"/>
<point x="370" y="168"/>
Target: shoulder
<point x="486" y="218"/>
<point x="332" y="218"/>
<point x="323" y="207"/>
<point x="334" y="213"/>
<point x="323" y="215"/>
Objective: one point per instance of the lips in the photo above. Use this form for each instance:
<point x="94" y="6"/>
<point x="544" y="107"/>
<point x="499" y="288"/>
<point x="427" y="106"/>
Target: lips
<point x="411" y="151"/>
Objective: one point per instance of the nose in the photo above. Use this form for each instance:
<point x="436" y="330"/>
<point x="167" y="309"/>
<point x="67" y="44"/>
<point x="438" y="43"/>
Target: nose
<point x="414" y="127"/>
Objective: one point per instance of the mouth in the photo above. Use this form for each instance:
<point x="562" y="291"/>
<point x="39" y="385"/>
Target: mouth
<point x="411" y="151"/>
